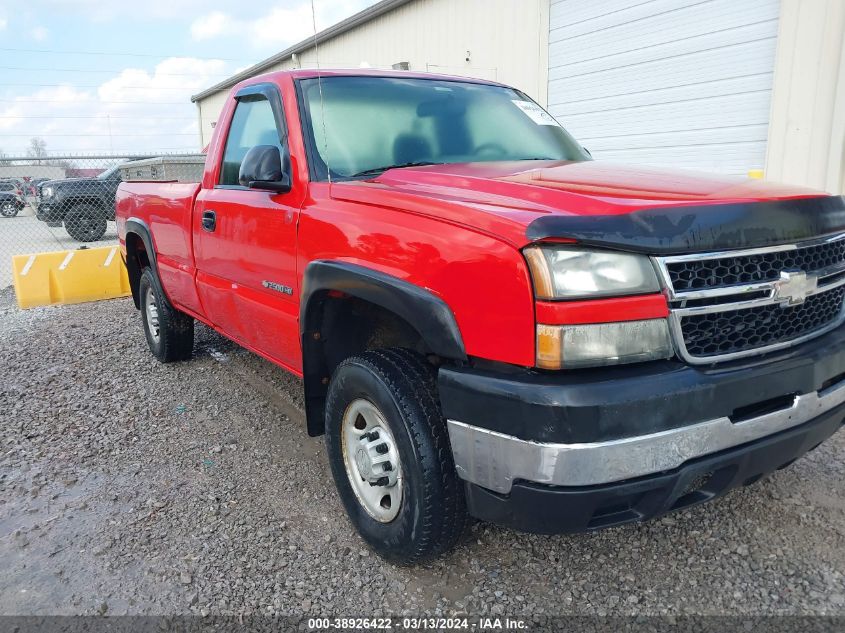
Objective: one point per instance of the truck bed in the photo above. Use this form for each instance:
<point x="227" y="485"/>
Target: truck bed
<point x="166" y="208"/>
<point x="164" y="169"/>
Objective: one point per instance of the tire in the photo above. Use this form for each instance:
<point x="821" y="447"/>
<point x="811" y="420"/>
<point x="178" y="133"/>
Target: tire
<point x="9" y="209"/>
<point x="169" y="332"/>
<point x="430" y="516"/>
<point x="85" y="223"/>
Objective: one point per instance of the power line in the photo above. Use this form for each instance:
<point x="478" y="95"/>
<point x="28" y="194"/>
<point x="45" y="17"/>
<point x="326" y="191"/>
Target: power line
<point x="50" y="135"/>
<point x="98" y="101"/>
<point x="69" y="154"/>
<point x="102" y="116"/>
<point x="106" y="54"/>
<point x="66" y="85"/>
<point x="97" y="70"/>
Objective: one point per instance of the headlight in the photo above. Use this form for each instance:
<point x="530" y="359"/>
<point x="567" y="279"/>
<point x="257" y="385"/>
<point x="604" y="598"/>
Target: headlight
<point x="571" y="273"/>
<point x="46" y="192"/>
<point x="599" y="344"/>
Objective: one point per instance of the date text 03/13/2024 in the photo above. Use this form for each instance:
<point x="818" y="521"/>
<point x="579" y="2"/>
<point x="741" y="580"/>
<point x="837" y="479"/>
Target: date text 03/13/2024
<point x="418" y="624"/>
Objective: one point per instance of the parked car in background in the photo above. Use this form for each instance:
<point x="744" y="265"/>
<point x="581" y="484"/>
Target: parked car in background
<point x="39" y="182"/>
<point x="11" y="197"/>
<point x="35" y="188"/>
<point x="83" y="205"/>
<point x="486" y="321"/>
<point x="18" y="184"/>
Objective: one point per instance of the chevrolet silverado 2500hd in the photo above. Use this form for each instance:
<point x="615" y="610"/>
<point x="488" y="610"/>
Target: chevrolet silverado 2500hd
<point x="487" y="322"/>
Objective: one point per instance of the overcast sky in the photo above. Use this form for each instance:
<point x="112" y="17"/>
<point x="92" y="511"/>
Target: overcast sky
<point x="149" y="57"/>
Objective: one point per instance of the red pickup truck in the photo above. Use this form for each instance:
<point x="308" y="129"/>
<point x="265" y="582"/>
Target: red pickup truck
<point x="487" y="322"/>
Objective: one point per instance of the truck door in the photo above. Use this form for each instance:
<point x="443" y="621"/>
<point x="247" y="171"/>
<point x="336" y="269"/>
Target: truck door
<point x="245" y="239"/>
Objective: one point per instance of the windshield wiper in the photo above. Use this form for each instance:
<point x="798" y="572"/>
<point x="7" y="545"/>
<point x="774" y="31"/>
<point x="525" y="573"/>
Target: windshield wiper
<point x="379" y="170"/>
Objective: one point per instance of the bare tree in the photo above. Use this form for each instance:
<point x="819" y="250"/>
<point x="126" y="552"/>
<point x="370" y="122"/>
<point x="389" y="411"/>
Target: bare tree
<point x="37" y="149"/>
<point x="64" y="164"/>
<point x="3" y="156"/>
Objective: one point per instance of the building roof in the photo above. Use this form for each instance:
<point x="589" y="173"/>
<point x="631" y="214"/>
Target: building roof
<point x="343" y="26"/>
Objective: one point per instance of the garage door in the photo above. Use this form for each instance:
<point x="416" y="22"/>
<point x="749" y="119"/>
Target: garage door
<point x="684" y="83"/>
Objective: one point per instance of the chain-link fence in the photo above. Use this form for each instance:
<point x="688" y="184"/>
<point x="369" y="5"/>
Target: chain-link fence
<point x="67" y="202"/>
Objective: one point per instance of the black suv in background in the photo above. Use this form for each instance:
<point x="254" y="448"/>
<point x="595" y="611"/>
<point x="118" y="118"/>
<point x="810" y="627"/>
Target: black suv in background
<point x="83" y="205"/>
<point x="11" y="197"/>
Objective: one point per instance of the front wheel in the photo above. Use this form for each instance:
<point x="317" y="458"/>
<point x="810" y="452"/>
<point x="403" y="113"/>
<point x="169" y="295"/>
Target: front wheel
<point x="85" y="223"/>
<point x="390" y="456"/>
<point x="9" y="209"/>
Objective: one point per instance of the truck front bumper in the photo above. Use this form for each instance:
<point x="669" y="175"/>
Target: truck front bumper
<point x="606" y="447"/>
<point x="50" y="212"/>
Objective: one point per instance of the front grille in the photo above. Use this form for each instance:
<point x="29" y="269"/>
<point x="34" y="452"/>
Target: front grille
<point x="739" y="303"/>
<point x="701" y="274"/>
<point x="732" y="331"/>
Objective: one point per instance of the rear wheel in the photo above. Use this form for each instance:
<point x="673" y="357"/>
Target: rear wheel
<point x="390" y="456"/>
<point x="169" y="332"/>
<point x="85" y="223"/>
<point x="8" y="209"/>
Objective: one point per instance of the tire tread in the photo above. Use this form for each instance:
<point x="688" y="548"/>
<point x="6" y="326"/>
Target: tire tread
<point x="176" y="328"/>
<point x="411" y="381"/>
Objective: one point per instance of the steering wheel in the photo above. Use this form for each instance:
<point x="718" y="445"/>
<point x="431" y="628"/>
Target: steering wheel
<point x="495" y="148"/>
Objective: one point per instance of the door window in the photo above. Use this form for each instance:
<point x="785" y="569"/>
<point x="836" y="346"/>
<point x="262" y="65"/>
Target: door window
<point x="252" y="124"/>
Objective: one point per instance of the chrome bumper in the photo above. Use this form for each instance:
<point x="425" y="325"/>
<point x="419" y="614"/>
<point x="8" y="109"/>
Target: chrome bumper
<point x="495" y="460"/>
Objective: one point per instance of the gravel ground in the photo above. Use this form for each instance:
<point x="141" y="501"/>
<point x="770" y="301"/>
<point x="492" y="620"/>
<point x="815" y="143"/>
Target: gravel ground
<point x="127" y="486"/>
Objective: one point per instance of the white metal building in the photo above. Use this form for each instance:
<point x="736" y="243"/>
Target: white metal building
<point x="720" y="85"/>
<point x="32" y="171"/>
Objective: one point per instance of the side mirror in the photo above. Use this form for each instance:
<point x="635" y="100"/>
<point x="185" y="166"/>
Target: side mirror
<point x="264" y="168"/>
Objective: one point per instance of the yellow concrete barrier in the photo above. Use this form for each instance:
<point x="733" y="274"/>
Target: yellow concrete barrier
<point x="757" y="174"/>
<point x="77" y="276"/>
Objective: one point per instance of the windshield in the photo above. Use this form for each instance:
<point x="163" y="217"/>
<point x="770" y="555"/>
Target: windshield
<point x="109" y="174"/>
<point x="366" y="124"/>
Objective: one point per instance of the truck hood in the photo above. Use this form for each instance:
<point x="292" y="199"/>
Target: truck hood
<point x="67" y="181"/>
<point x="621" y="206"/>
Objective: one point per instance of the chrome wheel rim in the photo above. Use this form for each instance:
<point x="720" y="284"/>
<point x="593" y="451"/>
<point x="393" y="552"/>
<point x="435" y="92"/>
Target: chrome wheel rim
<point x="88" y="226"/>
<point x="151" y="308"/>
<point x="371" y="460"/>
<point x="8" y="208"/>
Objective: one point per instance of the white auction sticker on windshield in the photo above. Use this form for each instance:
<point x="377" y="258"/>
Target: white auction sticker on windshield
<point x="535" y="113"/>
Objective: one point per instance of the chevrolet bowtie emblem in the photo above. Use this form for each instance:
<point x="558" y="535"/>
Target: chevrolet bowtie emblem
<point x="794" y="287"/>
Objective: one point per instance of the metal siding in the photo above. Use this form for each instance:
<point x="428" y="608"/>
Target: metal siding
<point x="210" y="109"/>
<point x="435" y="35"/>
<point x="807" y="131"/>
<point x="507" y="40"/>
<point x="685" y="83"/>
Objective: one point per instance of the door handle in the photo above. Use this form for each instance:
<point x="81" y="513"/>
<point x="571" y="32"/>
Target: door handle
<point x="209" y="221"/>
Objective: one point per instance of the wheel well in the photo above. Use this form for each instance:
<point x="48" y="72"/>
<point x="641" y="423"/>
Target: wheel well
<point x="136" y="260"/>
<point x="338" y="326"/>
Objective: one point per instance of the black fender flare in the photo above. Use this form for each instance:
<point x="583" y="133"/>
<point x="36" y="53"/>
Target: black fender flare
<point x="138" y="227"/>
<point x="427" y="313"/>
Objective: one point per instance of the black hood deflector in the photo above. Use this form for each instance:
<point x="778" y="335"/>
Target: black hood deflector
<point x="710" y="227"/>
